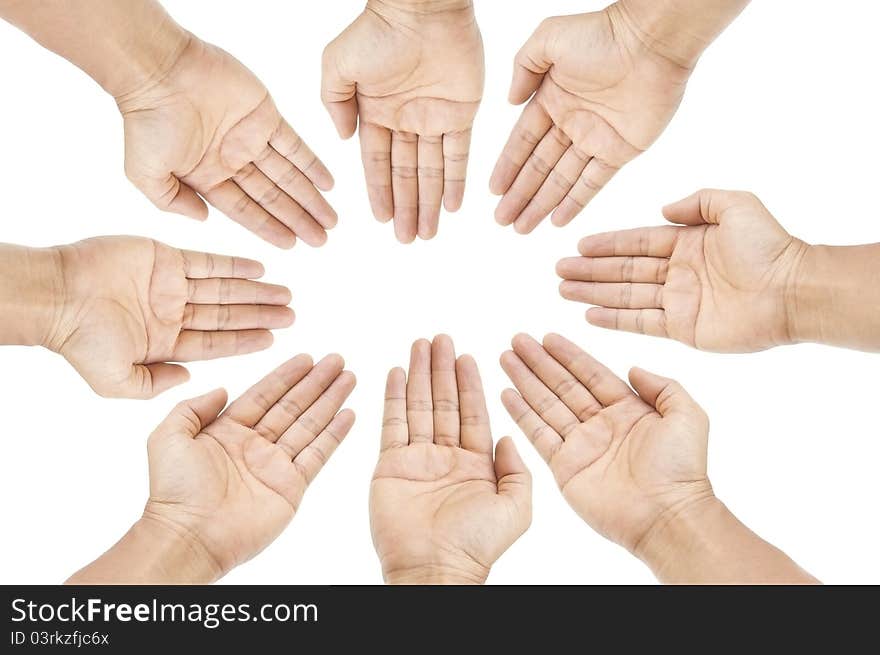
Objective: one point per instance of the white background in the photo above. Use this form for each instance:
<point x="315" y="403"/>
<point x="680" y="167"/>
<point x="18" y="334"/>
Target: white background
<point x="784" y="104"/>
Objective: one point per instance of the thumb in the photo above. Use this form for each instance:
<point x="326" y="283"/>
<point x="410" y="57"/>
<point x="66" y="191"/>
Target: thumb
<point x="514" y="479"/>
<point x="190" y="417"/>
<point x="151" y="380"/>
<point x="667" y="396"/>
<point x="529" y="66"/>
<point x="339" y="95"/>
<point x="171" y="195"/>
<point x="706" y="206"/>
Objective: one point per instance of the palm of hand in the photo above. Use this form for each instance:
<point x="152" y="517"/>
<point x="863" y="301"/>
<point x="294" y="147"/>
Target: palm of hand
<point x="131" y="305"/>
<point x="610" y="97"/>
<point x="622" y="468"/>
<point x="428" y="499"/>
<point x="211" y="485"/>
<point x="137" y="314"/>
<point x="726" y="284"/>
<point x="411" y="85"/>
<point x="194" y="126"/>
<point x="403" y="77"/>
<point x="600" y="99"/>
<point x="187" y="135"/>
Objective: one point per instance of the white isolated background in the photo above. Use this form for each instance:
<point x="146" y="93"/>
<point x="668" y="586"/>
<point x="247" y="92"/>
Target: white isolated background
<point x="783" y="104"/>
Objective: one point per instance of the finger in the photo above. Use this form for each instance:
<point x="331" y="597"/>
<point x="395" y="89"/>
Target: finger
<point x="229" y="198"/>
<point x="706" y="206"/>
<point x="539" y="397"/>
<point x="622" y="295"/>
<point x="456" y="149"/>
<point x="171" y="195"/>
<point x="532" y="175"/>
<point x="606" y="387"/>
<point x="514" y="479"/>
<point x="556" y="378"/>
<point x="148" y="381"/>
<point x="405" y="185"/>
<point x="280" y="205"/>
<point x="595" y="176"/>
<point x="641" y="321"/>
<point x="395" y="432"/>
<point x="297" y="399"/>
<point x="419" y="405"/>
<point x="475" y="433"/>
<point x="527" y="133"/>
<point x="667" y="396"/>
<point x="313" y="421"/>
<point x="218" y="318"/>
<point x="287" y="143"/>
<point x="444" y="392"/>
<point x="339" y="94"/>
<point x="544" y="438"/>
<point x="376" y="157"/>
<point x="195" y="345"/>
<point x="529" y="66"/>
<point x="203" y="265"/>
<point x="260" y="398"/>
<point x="430" y="168"/>
<point x="640" y="242"/>
<point x="189" y="417"/>
<point x="231" y="291"/>
<point x="295" y="184"/>
<point x="558" y="184"/>
<point x="313" y="457"/>
<point x="614" y="269"/>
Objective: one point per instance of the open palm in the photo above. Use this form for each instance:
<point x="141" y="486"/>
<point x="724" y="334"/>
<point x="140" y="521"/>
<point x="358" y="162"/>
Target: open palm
<point x="599" y="97"/>
<point x="231" y="482"/>
<point x="722" y="282"/>
<point x="624" y="461"/>
<point x="413" y="81"/>
<point x="209" y="128"/>
<point x="132" y="304"/>
<point x="440" y="508"/>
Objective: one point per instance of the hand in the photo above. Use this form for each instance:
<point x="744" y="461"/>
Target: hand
<point x="726" y="282"/>
<point x="600" y="96"/>
<point x="414" y="79"/>
<point x="207" y="127"/>
<point x="626" y="462"/>
<point x="440" y="510"/>
<point x="130" y="305"/>
<point x="230" y="483"/>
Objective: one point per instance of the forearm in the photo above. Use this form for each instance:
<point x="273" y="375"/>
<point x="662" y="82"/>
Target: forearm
<point x="31" y="295"/>
<point x="706" y="544"/>
<point x="121" y="44"/>
<point x="151" y="552"/>
<point x="679" y="30"/>
<point x="836" y="297"/>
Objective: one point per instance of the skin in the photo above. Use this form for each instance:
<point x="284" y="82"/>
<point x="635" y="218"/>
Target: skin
<point x="120" y="308"/>
<point x="225" y="483"/>
<point x="199" y="126"/>
<point x="601" y="88"/>
<point x="441" y="510"/>
<point x="631" y="461"/>
<point x="409" y="74"/>
<point x="728" y="278"/>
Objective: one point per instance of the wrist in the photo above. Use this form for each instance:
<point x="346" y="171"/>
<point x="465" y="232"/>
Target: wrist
<point x="676" y="30"/>
<point x="683" y="528"/>
<point x="464" y="573"/>
<point x="145" y="59"/>
<point x="31" y="299"/>
<point x="421" y="7"/>
<point x="153" y="551"/>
